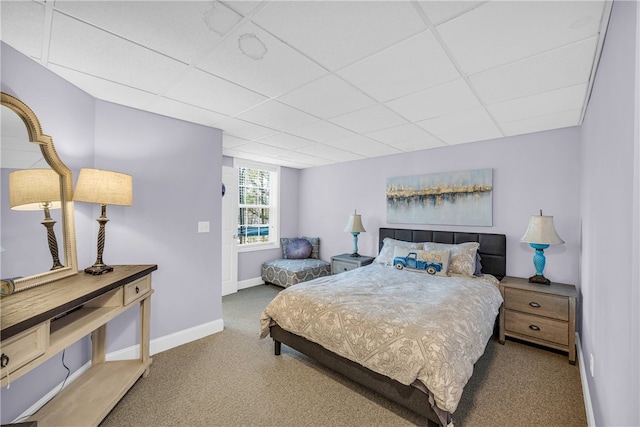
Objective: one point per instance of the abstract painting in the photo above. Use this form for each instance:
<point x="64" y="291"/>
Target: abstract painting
<point x="451" y="198"/>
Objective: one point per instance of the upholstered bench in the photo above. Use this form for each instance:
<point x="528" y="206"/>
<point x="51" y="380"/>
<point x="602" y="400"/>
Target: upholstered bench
<point x="300" y="263"/>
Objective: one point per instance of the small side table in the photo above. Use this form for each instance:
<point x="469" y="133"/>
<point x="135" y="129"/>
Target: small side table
<point x="540" y="314"/>
<point x="346" y="262"/>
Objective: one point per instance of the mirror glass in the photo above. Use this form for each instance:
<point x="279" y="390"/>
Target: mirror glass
<point x="37" y="239"/>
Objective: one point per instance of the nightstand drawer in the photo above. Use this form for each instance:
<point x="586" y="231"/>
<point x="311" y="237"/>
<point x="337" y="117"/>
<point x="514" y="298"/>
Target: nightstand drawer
<point x="137" y="289"/>
<point x="537" y="327"/>
<point x="23" y="348"/>
<point x="340" y="266"/>
<point x="554" y="306"/>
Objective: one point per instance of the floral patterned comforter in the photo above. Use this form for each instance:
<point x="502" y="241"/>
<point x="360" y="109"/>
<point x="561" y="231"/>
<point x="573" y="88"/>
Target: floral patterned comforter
<point x="402" y="324"/>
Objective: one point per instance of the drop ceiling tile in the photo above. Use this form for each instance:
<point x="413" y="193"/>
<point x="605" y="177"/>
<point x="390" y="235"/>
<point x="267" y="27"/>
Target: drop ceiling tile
<point x="369" y="119"/>
<point x="552" y="70"/>
<point x="262" y="149"/>
<point x="245" y="130"/>
<point x="395" y="135"/>
<point x="565" y="99"/>
<point x="504" y="31"/>
<point x="286" y="141"/>
<point x="244" y="7"/>
<point x="276" y="115"/>
<point x="327" y="97"/>
<point x="441" y="100"/>
<point x="269" y="154"/>
<point x="213" y="93"/>
<point x="542" y="123"/>
<point x="330" y="153"/>
<point x="442" y="11"/>
<point x="92" y="51"/>
<point x="364" y="146"/>
<point x="181" y="30"/>
<point x="339" y="33"/>
<point x="322" y="131"/>
<point x="105" y="89"/>
<point x="279" y="70"/>
<point x="414" y="64"/>
<point x="13" y="31"/>
<point x="467" y="126"/>
<point x="186" y="112"/>
<point x="419" y="144"/>
<point x="230" y="141"/>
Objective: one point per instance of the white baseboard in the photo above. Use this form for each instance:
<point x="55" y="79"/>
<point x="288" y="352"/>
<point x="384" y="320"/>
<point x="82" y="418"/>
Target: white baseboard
<point x="156" y="346"/>
<point x="588" y="407"/>
<point x="249" y="283"/>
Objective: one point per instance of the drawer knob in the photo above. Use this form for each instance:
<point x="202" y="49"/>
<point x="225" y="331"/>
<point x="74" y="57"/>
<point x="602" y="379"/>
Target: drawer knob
<point x="534" y="304"/>
<point x="534" y="327"/>
<point x="4" y="360"/>
<point x="137" y="290"/>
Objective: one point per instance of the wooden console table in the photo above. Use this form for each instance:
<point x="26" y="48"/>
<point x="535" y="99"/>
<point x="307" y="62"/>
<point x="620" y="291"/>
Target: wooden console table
<point x="40" y="322"/>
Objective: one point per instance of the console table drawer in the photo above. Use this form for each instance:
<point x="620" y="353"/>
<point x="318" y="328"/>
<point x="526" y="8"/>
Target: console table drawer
<point x="21" y="349"/>
<point x="539" y="304"/>
<point x="541" y="328"/>
<point x="135" y="290"/>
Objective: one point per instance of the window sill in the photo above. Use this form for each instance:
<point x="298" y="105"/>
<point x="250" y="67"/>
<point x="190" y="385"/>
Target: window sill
<point x="257" y="247"/>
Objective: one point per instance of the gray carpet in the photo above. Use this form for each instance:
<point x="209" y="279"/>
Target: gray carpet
<point x="233" y="379"/>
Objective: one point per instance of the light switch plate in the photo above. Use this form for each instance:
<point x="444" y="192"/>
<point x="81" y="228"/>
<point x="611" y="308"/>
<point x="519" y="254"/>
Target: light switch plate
<point x="203" y="226"/>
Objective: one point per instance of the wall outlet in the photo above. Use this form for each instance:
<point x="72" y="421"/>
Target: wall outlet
<point x="591" y="364"/>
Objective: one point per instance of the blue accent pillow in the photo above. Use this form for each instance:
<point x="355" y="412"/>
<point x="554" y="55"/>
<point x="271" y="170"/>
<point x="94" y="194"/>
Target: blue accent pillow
<point x="298" y="249"/>
<point x="478" y="269"/>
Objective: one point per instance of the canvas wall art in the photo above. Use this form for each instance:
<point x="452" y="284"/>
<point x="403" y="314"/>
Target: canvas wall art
<point x="451" y="198"/>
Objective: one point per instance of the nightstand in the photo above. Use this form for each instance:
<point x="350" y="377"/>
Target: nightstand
<point x="540" y="314"/>
<point x="346" y="262"/>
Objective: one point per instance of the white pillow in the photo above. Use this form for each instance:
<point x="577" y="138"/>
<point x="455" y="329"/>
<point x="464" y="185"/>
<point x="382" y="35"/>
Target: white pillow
<point x="386" y="253"/>
<point x="431" y="262"/>
<point x="463" y="256"/>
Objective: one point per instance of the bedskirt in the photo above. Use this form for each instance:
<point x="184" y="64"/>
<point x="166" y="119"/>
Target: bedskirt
<point x="288" y="272"/>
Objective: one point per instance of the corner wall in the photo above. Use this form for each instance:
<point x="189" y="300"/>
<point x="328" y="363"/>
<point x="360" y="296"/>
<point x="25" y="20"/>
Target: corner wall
<point x="610" y="224"/>
<point x="176" y="168"/>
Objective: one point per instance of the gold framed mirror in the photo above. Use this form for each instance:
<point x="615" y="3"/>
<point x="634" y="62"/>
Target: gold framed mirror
<point x="68" y="262"/>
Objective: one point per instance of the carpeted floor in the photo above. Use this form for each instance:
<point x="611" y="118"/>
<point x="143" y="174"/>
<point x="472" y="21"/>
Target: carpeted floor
<point x="233" y="379"/>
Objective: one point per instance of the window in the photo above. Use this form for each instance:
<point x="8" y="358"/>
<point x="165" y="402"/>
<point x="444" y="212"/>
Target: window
<point x="257" y="205"/>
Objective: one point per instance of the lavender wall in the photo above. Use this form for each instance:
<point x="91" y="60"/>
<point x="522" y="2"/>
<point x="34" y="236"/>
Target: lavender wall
<point x="176" y="168"/>
<point x="530" y="172"/>
<point x="609" y="268"/>
<point x="67" y="114"/>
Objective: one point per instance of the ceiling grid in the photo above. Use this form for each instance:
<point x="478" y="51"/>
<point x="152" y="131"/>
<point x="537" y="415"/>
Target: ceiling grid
<point x="309" y="83"/>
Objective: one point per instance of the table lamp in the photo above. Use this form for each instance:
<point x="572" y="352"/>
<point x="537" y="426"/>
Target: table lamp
<point x="540" y="234"/>
<point x="104" y="188"/>
<point x="38" y="189"/>
<point x="354" y="226"/>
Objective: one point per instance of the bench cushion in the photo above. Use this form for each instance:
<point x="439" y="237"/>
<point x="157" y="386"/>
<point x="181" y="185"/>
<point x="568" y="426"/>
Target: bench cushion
<point x="288" y="272"/>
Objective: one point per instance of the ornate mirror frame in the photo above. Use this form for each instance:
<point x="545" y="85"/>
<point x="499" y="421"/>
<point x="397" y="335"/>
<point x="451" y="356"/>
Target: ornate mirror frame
<point x="66" y="187"/>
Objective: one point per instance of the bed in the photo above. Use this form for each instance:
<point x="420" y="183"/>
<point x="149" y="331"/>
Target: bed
<point x="403" y="356"/>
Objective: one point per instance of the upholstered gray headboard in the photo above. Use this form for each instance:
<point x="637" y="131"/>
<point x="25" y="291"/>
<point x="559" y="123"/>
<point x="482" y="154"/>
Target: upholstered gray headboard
<point x="492" y="250"/>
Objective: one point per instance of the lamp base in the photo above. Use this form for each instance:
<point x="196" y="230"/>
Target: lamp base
<point x="540" y="279"/>
<point x="355" y="255"/>
<point x="97" y="269"/>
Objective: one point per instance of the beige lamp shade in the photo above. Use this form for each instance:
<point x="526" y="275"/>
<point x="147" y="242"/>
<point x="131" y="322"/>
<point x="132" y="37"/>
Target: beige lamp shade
<point x="541" y="231"/>
<point x="34" y="189"/>
<point x="104" y="187"/>
<point x="355" y="224"/>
